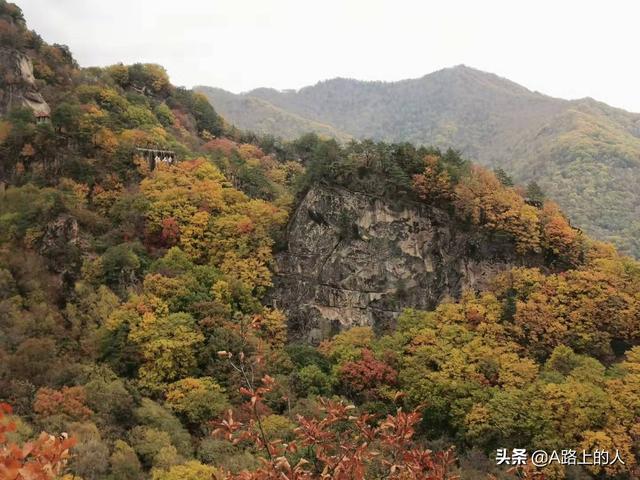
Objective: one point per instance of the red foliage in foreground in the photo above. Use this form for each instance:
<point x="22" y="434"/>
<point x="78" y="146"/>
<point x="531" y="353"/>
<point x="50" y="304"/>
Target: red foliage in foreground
<point x="42" y="459"/>
<point x="344" y="447"/>
<point x="339" y="446"/>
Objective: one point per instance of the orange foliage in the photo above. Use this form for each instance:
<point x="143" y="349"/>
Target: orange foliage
<point x="486" y="202"/>
<point x="584" y="309"/>
<point x="68" y="401"/>
<point x="183" y="121"/>
<point x="433" y="183"/>
<point x="559" y="237"/>
<point x="41" y="459"/>
<point x="223" y="145"/>
<point x="28" y="150"/>
<point x="271" y="326"/>
<point x="245" y="226"/>
<point x="248" y="151"/>
<point x="106" y="140"/>
<point x="105" y="194"/>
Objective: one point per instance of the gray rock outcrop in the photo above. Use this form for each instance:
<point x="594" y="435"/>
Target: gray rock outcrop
<point x="18" y="84"/>
<point x="353" y="259"/>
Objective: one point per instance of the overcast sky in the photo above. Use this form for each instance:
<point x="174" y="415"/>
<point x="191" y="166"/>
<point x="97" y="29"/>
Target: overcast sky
<point x="564" y="48"/>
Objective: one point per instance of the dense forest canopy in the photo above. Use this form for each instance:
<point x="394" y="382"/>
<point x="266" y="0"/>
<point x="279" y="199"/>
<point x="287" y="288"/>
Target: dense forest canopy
<point x="584" y="153"/>
<point x="132" y="316"/>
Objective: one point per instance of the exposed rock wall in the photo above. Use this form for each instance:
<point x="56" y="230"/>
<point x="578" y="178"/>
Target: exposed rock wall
<point x="353" y="259"/>
<point x="18" y="83"/>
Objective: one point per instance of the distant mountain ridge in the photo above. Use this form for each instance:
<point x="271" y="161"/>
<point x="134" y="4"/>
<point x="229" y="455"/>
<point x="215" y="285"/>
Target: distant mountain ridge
<point x="584" y="153"/>
<point x="268" y="118"/>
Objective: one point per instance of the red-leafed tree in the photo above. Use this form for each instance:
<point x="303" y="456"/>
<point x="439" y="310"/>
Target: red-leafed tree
<point x="361" y="379"/>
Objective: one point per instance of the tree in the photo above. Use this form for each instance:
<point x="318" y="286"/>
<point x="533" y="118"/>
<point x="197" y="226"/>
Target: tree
<point x="503" y="177"/>
<point x="583" y="309"/>
<point x="91" y="455"/>
<point x="192" y="470"/>
<point x="164" y="115"/>
<point x="41" y="459"/>
<point x="434" y="183"/>
<point x="311" y="380"/>
<point x="69" y="401"/>
<point x="348" y="345"/>
<point x="198" y="400"/>
<point x="107" y="395"/>
<point x="154" y="415"/>
<point x="361" y="379"/>
<point x="339" y="446"/>
<point x="124" y="462"/>
<point x="207" y="119"/>
<point x="167" y="344"/>
<point x="559" y="238"/>
<point x="147" y="77"/>
<point x="154" y="447"/>
<point x="271" y="326"/>
<point x="119" y="73"/>
<point x="32" y="359"/>
<point x="534" y="192"/>
<point x="482" y="199"/>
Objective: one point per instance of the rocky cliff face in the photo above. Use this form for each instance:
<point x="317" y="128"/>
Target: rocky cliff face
<point x="18" y="83"/>
<point x="353" y="259"/>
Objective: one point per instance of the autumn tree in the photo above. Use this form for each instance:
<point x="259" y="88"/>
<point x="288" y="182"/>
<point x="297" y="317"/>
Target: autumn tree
<point x="124" y="462"/>
<point x="69" y="401"/>
<point x="196" y="399"/>
<point x="338" y="445"/>
<point x="482" y="199"/>
<point x="41" y="459"/>
<point x="366" y="377"/>
<point x="216" y="224"/>
<point x="585" y="309"/>
<point x="191" y="470"/>
<point x="560" y="239"/>
<point x="434" y="183"/>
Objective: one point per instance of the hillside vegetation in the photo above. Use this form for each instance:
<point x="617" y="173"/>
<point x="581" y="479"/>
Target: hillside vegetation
<point x="133" y="326"/>
<point x="266" y="119"/>
<point x="585" y="154"/>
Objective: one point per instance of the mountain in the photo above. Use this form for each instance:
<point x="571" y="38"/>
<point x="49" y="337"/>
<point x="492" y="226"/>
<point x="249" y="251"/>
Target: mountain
<point x="160" y="272"/>
<point x="585" y="154"/>
<point x="267" y="118"/>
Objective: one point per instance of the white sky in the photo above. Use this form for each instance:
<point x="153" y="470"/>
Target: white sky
<point x="564" y="48"/>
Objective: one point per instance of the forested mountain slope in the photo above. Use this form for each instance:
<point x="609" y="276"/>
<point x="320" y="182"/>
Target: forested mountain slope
<point x="585" y="154"/>
<point x="143" y="304"/>
<point x="266" y="118"/>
